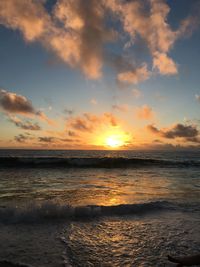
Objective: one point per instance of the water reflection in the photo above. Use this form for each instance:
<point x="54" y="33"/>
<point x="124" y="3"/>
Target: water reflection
<point x="99" y="186"/>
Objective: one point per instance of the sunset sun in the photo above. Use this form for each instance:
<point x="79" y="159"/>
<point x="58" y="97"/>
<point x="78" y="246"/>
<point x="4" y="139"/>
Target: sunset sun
<point x="112" y="138"/>
<point x="114" y="141"/>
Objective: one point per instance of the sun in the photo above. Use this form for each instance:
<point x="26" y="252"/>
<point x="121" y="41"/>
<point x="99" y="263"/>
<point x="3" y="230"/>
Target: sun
<point x="114" y="141"/>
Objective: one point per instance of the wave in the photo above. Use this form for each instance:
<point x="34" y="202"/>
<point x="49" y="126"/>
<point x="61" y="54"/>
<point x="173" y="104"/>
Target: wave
<point x="7" y="263"/>
<point x="105" y="162"/>
<point x="49" y="211"/>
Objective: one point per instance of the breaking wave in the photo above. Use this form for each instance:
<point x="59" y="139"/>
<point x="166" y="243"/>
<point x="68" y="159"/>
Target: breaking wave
<point x="105" y="162"/>
<point x="13" y="264"/>
<point x="49" y="211"/>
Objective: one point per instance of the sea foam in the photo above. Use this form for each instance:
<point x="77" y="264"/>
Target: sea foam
<point x="54" y="211"/>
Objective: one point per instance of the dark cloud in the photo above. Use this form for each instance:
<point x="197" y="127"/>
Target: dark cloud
<point x="72" y="134"/>
<point x="68" y="111"/>
<point x="157" y="141"/>
<point x="153" y="129"/>
<point x="159" y="146"/>
<point x="21" y="138"/>
<point x="178" y="130"/>
<point x="194" y="139"/>
<point x="13" y="103"/>
<point x="81" y="125"/>
<point x="69" y="140"/>
<point x="46" y="139"/>
<point x="27" y="125"/>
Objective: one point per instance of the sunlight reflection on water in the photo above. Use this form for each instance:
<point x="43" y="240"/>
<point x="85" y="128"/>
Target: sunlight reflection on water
<point x="99" y="186"/>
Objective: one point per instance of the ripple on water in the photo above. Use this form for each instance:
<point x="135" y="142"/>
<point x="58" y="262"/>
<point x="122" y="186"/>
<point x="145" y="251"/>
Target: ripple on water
<point x="132" y="241"/>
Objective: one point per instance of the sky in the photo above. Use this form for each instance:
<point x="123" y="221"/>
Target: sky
<point x="100" y="74"/>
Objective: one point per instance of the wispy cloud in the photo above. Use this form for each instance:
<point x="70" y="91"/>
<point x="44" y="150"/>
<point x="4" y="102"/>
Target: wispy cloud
<point x="88" y="122"/>
<point x="136" y="93"/>
<point x="55" y="142"/>
<point x="68" y="111"/>
<point x="46" y="139"/>
<point x="93" y="101"/>
<point x="197" y="97"/>
<point x="22" y="138"/>
<point x="27" y="125"/>
<point x="145" y="112"/>
<point x="134" y="76"/>
<point x="122" y="108"/>
<point x="72" y="134"/>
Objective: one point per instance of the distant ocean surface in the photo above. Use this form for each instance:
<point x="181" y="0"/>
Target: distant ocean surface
<point x="103" y="205"/>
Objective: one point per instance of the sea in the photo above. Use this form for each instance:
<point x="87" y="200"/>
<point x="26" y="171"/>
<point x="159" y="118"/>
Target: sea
<point x="98" y="208"/>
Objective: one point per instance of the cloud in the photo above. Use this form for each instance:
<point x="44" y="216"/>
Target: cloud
<point x="21" y="138"/>
<point x="180" y="130"/>
<point x="56" y="141"/>
<point x="93" y="101"/>
<point x="153" y="129"/>
<point x="190" y="23"/>
<point x="197" y="97"/>
<point x="46" y="139"/>
<point x="85" y="33"/>
<point x="12" y="103"/>
<point x="81" y="124"/>
<point x="77" y="31"/>
<point x="159" y="146"/>
<point x="145" y="112"/>
<point x="43" y="117"/>
<point x="148" y="20"/>
<point x="190" y="132"/>
<point x="27" y="125"/>
<point x="88" y="122"/>
<point x="194" y="140"/>
<point x="159" y="96"/>
<point x="70" y="140"/>
<point x="122" y="108"/>
<point x="112" y="120"/>
<point x="164" y="64"/>
<point x="136" y="93"/>
<point x="134" y="76"/>
<point x="68" y="111"/>
<point x="29" y="17"/>
<point x="72" y="134"/>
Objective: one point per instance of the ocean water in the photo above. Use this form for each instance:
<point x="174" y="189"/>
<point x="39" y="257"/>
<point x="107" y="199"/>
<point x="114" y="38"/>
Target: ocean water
<point x="98" y="208"/>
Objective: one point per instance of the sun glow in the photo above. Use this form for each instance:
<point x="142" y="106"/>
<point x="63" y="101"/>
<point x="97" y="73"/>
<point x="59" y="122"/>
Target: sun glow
<point x="114" y="141"/>
<point x="111" y="138"/>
